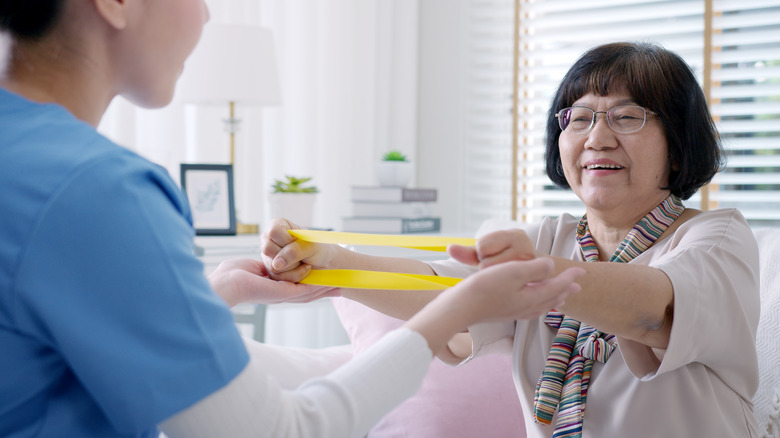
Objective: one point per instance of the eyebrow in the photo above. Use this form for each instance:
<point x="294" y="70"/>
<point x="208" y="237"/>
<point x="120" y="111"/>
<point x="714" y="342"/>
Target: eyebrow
<point x="618" y="103"/>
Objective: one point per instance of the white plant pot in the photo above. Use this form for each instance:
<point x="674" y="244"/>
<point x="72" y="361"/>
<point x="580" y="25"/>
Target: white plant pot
<point x="298" y="208"/>
<point x="394" y="173"/>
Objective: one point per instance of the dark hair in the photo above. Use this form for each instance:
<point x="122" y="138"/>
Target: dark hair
<point x="29" y="19"/>
<point x="660" y="81"/>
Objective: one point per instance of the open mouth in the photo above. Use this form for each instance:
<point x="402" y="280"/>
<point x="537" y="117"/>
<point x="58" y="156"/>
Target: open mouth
<point x="603" y="166"/>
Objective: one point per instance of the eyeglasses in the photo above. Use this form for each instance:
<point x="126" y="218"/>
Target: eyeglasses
<point x="623" y="119"/>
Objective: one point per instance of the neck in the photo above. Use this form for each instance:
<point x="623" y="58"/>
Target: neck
<point x="49" y="71"/>
<point x="609" y="228"/>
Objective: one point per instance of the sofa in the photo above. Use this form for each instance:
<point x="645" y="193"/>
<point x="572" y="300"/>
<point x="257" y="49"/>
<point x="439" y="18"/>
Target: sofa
<point x="766" y="403"/>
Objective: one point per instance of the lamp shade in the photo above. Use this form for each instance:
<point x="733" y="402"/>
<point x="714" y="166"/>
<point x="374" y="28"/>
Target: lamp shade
<point x="231" y="63"/>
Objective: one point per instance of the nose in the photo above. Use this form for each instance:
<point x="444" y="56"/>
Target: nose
<point x="601" y="135"/>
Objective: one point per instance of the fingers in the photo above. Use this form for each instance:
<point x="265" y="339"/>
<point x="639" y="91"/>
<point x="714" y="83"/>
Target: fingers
<point x="554" y="291"/>
<point x="263" y="290"/>
<point x="316" y="294"/>
<point x="529" y="271"/>
<point x="274" y="238"/>
<point x="492" y="243"/>
<point x="464" y="254"/>
<point x="293" y="254"/>
<point x="280" y="252"/>
<point x="494" y="248"/>
<point x="502" y="246"/>
<point x="294" y="275"/>
<point x="518" y="289"/>
<point x="304" y="293"/>
<point x="277" y="232"/>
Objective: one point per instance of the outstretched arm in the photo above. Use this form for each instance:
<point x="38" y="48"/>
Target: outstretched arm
<point x="629" y="300"/>
<point x="350" y="400"/>
<point x="290" y="259"/>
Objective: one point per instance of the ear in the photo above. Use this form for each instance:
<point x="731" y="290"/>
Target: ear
<point x="115" y="12"/>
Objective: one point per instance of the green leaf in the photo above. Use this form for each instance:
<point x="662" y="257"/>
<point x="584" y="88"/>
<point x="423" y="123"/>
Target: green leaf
<point x="293" y="185"/>
<point x="394" y="155"/>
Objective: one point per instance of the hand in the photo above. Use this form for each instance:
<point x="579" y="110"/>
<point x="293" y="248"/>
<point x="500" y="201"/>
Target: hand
<point x="289" y="259"/>
<point x="494" y="248"/>
<point x="516" y="290"/>
<point x="246" y="280"/>
<point x="507" y="291"/>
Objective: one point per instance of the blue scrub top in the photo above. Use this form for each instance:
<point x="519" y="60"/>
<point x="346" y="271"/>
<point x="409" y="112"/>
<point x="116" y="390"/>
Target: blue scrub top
<point x="107" y="324"/>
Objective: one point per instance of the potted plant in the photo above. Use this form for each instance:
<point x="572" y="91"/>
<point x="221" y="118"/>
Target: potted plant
<point x="293" y="200"/>
<point x="394" y="169"/>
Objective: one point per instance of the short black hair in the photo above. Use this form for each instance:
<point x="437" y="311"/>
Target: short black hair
<point x="660" y="81"/>
<point x="29" y="19"/>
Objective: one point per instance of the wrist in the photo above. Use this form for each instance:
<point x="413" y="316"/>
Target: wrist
<point x="223" y="285"/>
<point x="440" y="320"/>
<point x="341" y="257"/>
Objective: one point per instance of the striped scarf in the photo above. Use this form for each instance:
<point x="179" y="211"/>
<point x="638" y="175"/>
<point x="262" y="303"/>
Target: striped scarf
<point x="564" y="382"/>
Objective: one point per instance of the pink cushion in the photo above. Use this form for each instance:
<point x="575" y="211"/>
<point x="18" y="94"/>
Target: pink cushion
<point x="476" y="399"/>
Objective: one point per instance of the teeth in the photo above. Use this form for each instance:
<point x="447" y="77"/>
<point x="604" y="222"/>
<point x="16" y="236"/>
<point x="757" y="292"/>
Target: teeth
<point x="603" y="166"/>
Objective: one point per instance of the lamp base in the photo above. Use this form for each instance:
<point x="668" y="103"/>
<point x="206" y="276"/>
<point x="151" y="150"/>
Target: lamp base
<point x="242" y="228"/>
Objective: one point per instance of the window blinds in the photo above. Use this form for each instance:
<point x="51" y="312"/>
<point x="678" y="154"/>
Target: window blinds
<point x="553" y="34"/>
<point x="743" y="73"/>
<point x="745" y="101"/>
<point x="488" y="127"/>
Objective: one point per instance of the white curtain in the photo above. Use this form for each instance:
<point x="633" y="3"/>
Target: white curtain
<point x="348" y="73"/>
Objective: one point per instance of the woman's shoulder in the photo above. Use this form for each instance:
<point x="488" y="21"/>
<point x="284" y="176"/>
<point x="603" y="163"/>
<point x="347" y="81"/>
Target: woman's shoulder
<point x="47" y="138"/>
<point x="716" y="221"/>
<point x="723" y="228"/>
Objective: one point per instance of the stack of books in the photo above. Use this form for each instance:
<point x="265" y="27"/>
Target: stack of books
<point x="392" y="210"/>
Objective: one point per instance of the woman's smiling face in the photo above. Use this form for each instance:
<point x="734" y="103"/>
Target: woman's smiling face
<point x="608" y="170"/>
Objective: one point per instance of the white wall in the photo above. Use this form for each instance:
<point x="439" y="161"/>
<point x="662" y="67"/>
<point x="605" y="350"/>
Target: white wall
<point x="440" y="149"/>
<point x="358" y="77"/>
<point x="350" y="73"/>
<point x="349" y="91"/>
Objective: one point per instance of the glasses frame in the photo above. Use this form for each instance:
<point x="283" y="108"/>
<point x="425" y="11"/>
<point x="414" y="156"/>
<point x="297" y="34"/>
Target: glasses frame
<point x="607" y="116"/>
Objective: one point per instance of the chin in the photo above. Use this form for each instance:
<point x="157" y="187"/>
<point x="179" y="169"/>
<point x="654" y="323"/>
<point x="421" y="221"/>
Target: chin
<point x="151" y="101"/>
<point x="601" y="201"/>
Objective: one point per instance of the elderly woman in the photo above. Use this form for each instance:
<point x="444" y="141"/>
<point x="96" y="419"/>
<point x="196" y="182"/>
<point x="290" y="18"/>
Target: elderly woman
<point x="660" y="342"/>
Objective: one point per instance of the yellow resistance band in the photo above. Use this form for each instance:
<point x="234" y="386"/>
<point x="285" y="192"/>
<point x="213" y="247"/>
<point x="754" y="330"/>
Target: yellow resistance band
<point x="427" y="243"/>
<point x="357" y="279"/>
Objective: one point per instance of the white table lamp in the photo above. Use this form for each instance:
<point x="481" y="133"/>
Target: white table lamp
<point x="232" y="64"/>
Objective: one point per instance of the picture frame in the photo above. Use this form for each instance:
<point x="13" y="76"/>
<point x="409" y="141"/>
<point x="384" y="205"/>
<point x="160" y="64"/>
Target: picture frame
<point x="209" y="190"/>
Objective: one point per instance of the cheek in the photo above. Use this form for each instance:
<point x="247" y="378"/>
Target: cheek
<point x="568" y="152"/>
<point x="184" y="32"/>
<point x="652" y="167"/>
<point x="665" y="174"/>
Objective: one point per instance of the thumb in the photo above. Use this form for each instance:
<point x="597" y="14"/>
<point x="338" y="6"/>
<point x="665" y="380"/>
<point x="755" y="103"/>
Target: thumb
<point x="464" y="254"/>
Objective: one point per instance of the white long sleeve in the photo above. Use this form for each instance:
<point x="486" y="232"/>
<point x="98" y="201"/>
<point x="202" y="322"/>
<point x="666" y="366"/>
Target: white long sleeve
<point x="345" y="403"/>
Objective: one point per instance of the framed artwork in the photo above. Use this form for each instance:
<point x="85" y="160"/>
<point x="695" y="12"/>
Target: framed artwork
<point x="209" y="189"/>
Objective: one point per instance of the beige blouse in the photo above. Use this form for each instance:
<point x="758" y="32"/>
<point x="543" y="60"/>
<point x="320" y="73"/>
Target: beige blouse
<point x="703" y="383"/>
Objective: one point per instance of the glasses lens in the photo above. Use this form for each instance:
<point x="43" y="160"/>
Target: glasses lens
<point x="575" y="120"/>
<point x="625" y="119"/>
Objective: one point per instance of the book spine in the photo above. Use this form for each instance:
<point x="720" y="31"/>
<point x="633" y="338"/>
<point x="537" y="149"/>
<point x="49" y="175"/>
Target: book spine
<point x="410" y="210"/>
<point x="391" y="225"/>
<point x="392" y="194"/>
<point x="418" y="195"/>
<point x="421" y="225"/>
